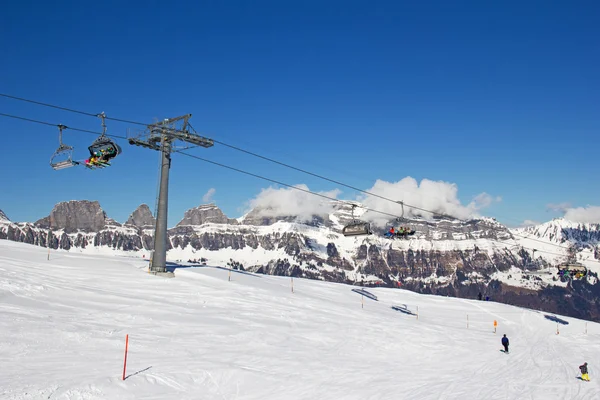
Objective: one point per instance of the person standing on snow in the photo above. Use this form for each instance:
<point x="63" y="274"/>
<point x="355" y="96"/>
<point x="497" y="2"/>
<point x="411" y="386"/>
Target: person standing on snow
<point x="505" y="343"/>
<point x="584" y="372"/>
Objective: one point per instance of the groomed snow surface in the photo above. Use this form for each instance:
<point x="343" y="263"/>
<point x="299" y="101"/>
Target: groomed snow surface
<point x="63" y="324"/>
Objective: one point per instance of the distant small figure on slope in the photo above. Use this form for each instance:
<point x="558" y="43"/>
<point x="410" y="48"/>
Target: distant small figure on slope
<point x="479" y="296"/>
<point x="505" y="343"/>
<point x="584" y="372"/>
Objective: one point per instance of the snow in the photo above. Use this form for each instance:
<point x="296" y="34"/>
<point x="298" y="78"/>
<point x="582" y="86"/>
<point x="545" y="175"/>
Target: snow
<point x="63" y="323"/>
<point x="3" y="217"/>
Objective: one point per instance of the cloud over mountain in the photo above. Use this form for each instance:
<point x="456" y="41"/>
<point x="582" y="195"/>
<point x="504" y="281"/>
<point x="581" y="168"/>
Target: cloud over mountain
<point x="275" y="202"/>
<point x="438" y="196"/>
<point x="583" y="214"/>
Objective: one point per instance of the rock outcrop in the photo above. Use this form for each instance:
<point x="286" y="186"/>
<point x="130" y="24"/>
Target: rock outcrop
<point x="142" y="218"/>
<point x="204" y="214"/>
<point x="75" y="215"/>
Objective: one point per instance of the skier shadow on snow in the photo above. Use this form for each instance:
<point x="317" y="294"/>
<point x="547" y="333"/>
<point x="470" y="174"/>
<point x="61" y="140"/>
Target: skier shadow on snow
<point x="554" y="318"/>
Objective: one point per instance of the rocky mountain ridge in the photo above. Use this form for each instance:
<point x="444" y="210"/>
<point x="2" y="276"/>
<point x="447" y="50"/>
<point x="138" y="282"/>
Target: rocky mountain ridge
<point x="445" y="256"/>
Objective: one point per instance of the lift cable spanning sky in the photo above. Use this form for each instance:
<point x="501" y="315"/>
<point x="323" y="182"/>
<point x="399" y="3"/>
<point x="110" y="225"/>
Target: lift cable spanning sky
<point x="153" y="144"/>
<point x="168" y="128"/>
<point x="127" y="121"/>
<point x="234" y="148"/>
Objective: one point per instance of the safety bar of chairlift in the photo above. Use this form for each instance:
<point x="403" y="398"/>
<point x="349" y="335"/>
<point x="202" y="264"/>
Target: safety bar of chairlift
<point x="63" y="164"/>
<point x="353" y="231"/>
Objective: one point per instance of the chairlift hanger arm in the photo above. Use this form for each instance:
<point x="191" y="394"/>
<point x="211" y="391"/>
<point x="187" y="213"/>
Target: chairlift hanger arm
<point x="102" y="116"/>
<point x="166" y="121"/>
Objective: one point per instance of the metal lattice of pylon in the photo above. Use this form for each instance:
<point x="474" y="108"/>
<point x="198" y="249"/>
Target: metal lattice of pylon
<point x="161" y="136"/>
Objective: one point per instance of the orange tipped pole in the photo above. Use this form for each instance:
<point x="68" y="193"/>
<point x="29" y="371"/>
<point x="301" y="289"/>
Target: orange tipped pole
<point x="125" y="362"/>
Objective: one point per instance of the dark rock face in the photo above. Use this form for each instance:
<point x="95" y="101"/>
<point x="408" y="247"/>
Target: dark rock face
<point x="207" y="213"/>
<point x="73" y="216"/>
<point x="3" y="216"/>
<point x="142" y="218"/>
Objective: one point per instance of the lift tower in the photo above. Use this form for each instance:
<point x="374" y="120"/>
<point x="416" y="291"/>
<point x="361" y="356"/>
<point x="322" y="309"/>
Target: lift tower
<point x="160" y="136"/>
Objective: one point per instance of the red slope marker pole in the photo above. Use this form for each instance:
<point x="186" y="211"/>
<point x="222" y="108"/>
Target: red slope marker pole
<point x="125" y="362"/>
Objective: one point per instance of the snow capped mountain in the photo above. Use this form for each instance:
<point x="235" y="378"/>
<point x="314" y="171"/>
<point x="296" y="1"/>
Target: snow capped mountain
<point x="561" y="231"/>
<point x="444" y="256"/>
<point x="573" y="241"/>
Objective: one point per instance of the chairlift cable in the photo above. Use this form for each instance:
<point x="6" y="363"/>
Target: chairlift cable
<point x="283" y="184"/>
<point x="250" y="153"/>
<point x="260" y="177"/>
<point x="259" y="156"/>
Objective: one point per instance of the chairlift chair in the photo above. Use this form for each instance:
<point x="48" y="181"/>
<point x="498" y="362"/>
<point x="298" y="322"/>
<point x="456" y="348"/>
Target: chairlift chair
<point x="400" y="219"/>
<point x="103" y="148"/>
<point x="574" y="270"/>
<point x="356" y="227"/>
<point x="63" y="156"/>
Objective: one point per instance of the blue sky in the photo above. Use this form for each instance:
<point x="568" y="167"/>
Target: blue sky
<point x="495" y="98"/>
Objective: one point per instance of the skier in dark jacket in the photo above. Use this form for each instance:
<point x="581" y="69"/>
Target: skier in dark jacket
<point x="505" y="343"/>
<point x="584" y="372"/>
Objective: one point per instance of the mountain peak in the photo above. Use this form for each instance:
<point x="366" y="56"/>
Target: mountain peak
<point x="205" y="214"/>
<point x="75" y="215"/>
<point x="560" y="230"/>
<point x="142" y="217"/>
<point x="3" y="217"/>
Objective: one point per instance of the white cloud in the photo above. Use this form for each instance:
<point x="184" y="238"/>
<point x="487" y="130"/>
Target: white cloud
<point x="208" y="195"/>
<point x="558" y="207"/>
<point x="583" y="214"/>
<point x="437" y="196"/>
<point x="289" y="201"/>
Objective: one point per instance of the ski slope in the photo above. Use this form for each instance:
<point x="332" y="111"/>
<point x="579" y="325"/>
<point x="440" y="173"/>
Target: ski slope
<point x="63" y="324"/>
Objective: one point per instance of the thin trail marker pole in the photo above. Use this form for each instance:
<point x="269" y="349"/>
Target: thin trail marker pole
<point x="48" y="242"/>
<point x="495" y="325"/>
<point x="586" y="328"/>
<point x="229" y="275"/>
<point x="292" y="280"/>
<point x="417" y="312"/>
<point x="557" y="328"/>
<point x="467" y="321"/>
<point x="362" y="301"/>
<point x="125" y="362"/>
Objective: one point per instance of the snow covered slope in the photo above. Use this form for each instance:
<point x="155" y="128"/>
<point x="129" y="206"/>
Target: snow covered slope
<point x="63" y="323"/>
